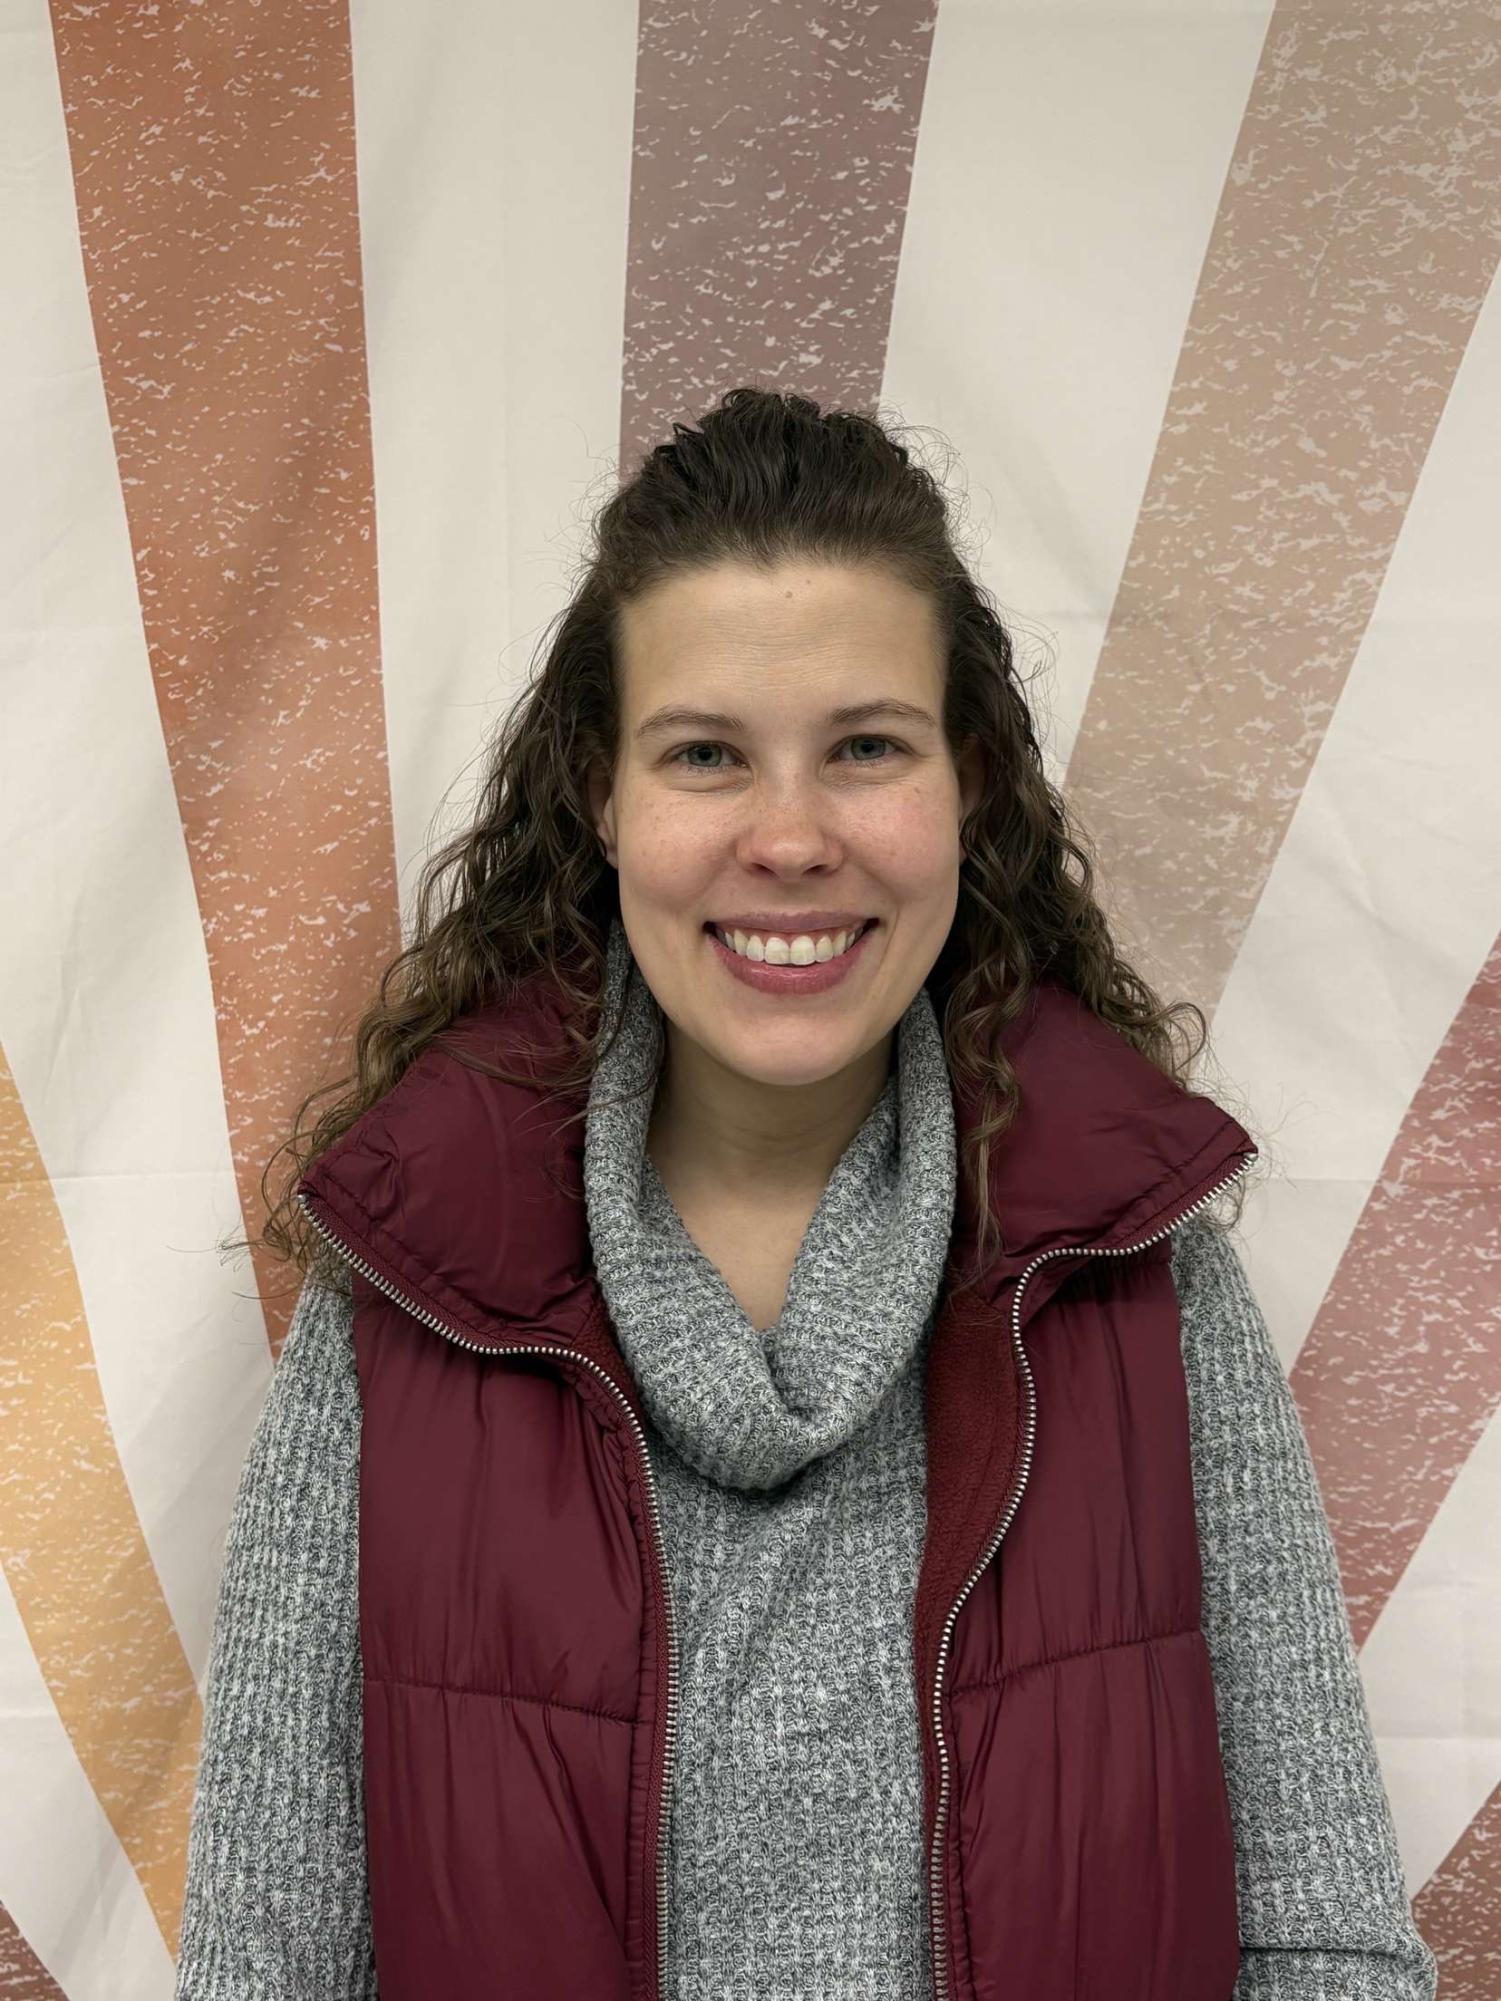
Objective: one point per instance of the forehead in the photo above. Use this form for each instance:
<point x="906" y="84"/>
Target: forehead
<point x="800" y="617"/>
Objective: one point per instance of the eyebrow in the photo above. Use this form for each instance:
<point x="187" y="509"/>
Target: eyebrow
<point x="675" y="717"/>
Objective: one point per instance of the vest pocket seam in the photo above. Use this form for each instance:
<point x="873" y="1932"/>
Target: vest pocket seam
<point x="1077" y="1654"/>
<point x="497" y="1695"/>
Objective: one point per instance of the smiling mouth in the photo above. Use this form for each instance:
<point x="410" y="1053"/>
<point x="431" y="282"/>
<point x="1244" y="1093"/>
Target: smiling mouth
<point x="852" y="938"/>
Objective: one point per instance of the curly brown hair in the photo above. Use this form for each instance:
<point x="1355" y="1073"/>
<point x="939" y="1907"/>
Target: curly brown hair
<point x="766" y="477"/>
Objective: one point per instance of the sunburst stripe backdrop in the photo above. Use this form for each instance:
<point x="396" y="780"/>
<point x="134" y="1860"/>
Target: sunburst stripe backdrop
<point x="327" y="332"/>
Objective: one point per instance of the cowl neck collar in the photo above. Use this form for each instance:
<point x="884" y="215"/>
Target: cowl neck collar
<point x="751" y="1408"/>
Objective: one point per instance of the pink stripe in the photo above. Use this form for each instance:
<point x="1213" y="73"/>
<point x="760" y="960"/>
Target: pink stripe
<point x="1458" y="1910"/>
<point x="1401" y="1371"/>
<point x="22" y="1975"/>
<point x="1357" y="234"/>
<point x="772" y="161"/>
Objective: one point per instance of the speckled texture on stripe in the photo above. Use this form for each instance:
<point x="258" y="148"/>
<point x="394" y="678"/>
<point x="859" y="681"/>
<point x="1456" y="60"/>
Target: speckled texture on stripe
<point x="1392" y="1424"/>
<point x="213" y="155"/>
<point x="1341" y="285"/>
<point x="74" y="1554"/>
<point x="770" y="167"/>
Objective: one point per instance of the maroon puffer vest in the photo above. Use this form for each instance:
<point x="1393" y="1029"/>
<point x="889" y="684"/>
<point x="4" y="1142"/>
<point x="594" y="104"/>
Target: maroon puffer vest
<point x="520" y="1670"/>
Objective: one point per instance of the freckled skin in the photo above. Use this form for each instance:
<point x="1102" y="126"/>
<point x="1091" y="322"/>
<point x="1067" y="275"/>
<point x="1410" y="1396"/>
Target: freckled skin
<point x="762" y="1091"/>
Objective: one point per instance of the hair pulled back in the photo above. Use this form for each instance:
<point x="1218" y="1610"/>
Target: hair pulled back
<point x="764" y="477"/>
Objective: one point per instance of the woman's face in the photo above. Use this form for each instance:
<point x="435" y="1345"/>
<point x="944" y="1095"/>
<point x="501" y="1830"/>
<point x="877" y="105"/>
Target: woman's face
<point x="757" y="801"/>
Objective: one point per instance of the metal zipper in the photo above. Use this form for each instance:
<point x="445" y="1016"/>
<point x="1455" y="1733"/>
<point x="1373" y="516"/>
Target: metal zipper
<point x="935" y="1866"/>
<point x="557" y="1349"/>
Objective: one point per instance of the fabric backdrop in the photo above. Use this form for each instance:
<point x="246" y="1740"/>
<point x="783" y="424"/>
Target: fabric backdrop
<point x="324" y="333"/>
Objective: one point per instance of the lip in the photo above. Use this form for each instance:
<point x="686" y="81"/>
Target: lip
<point x="788" y="923"/>
<point x="814" y="979"/>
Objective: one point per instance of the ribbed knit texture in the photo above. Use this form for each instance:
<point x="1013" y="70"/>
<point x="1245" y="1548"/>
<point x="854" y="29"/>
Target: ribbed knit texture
<point x="1324" y="1913"/>
<point x="791" y="1473"/>
<point x="277" y="1903"/>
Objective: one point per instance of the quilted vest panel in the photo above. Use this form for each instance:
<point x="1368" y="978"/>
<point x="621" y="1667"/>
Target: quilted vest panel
<point x="516" y="1634"/>
<point x="509" y="1671"/>
<point x="1094" y="1854"/>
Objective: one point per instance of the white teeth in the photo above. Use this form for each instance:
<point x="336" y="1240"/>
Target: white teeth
<point x="802" y="950"/>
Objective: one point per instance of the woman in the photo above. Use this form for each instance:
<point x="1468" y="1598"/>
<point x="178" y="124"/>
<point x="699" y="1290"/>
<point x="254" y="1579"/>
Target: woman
<point x="777" y="1485"/>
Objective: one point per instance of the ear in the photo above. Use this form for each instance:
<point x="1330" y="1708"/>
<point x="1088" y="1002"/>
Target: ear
<point x="970" y="765"/>
<point x="602" y="810"/>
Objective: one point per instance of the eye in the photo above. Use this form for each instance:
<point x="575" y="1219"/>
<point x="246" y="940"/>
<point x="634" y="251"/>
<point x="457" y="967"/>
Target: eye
<point x="679" y="755"/>
<point x="889" y="741"/>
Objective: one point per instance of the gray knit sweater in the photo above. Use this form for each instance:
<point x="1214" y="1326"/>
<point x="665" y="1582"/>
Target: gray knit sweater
<point x="790" y="1471"/>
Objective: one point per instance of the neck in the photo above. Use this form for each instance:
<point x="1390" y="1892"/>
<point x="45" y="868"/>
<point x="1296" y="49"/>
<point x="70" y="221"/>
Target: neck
<point x="709" y="1124"/>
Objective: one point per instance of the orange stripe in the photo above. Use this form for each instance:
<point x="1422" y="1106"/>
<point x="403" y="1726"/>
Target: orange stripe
<point x="213" y="156"/>
<point x="72" y="1547"/>
<point x="1401" y="1371"/>
<point x="1348" y="262"/>
<point x="769" y="185"/>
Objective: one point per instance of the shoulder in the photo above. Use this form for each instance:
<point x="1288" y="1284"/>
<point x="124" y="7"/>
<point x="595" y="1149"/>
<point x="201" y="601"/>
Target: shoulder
<point x="1221" y="1319"/>
<point x="1206" y="1263"/>
<point x="321" y="1319"/>
<point x="315" y="1375"/>
<point x="1236" y="1379"/>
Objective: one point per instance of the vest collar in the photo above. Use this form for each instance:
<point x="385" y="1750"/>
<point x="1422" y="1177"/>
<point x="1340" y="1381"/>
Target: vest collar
<point x="463" y="1195"/>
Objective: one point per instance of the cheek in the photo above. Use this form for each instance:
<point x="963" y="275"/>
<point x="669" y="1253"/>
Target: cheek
<point x="662" y="844"/>
<point x="911" y="842"/>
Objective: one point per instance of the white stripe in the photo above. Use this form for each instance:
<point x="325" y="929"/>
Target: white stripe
<point x="1066" y="183"/>
<point x="493" y="213"/>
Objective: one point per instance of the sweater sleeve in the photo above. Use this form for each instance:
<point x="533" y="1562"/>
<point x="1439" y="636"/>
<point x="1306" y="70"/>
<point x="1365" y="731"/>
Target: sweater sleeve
<point x="1324" y="1911"/>
<point x="276" y="1903"/>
